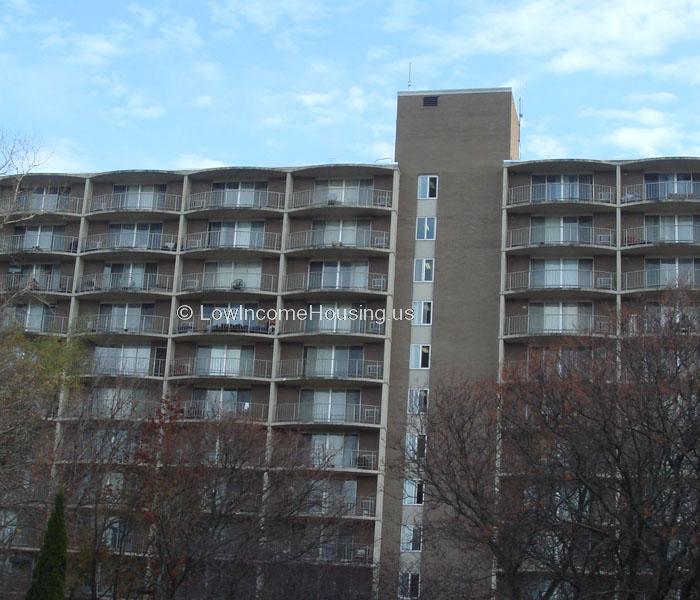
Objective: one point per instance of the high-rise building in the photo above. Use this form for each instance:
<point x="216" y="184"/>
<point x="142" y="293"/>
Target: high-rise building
<point x="498" y="258"/>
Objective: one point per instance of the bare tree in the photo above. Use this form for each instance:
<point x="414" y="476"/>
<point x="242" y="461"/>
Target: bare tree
<point x="579" y="476"/>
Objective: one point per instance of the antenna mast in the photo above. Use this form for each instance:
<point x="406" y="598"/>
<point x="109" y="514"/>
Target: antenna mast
<point x="409" y="74"/>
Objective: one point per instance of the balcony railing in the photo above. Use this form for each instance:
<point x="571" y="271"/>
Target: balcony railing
<point x="137" y="201"/>
<point x="661" y="279"/>
<point x="545" y="193"/>
<point x="128" y="366"/>
<point x="128" y="282"/>
<point x="197" y="325"/>
<point x="220" y="367"/>
<point x="248" y="240"/>
<point x="29" y="203"/>
<point x="565" y="235"/>
<point x="124" y="408"/>
<point x="197" y="282"/>
<point x="342" y="458"/>
<point x="136" y="324"/>
<point x="331" y="368"/>
<point x="130" y="241"/>
<point x="41" y="324"/>
<point x="338" y="238"/>
<point x="351" y="282"/>
<point x="358" y="554"/>
<point x="202" y="410"/>
<point x="235" y="199"/>
<point x="38" y="243"/>
<point x="297" y="412"/>
<point x="654" y="234"/>
<point x="557" y="324"/>
<point x="36" y="282"/>
<point x="368" y="197"/>
<point x="560" y="279"/>
<point x="662" y="191"/>
<point x="338" y="326"/>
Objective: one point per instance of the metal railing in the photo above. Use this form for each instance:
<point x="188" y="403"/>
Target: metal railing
<point x="43" y="324"/>
<point x="368" y="197"/>
<point x="29" y="203"/>
<point x="198" y="409"/>
<point x="560" y="279"/>
<point x="220" y="367"/>
<point x="111" y="408"/>
<point x="130" y="241"/>
<point x="196" y="325"/>
<point x="137" y="201"/>
<point x="557" y="324"/>
<point x="655" y="234"/>
<point x="341" y="458"/>
<point x="35" y="243"/>
<point x="128" y="282"/>
<point x="331" y="368"/>
<point x="660" y="279"/>
<point x="661" y="191"/>
<point x="249" y="240"/>
<point x="36" y="282"/>
<point x="333" y="326"/>
<point x="197" y="282"/>
<point x="137" y="324"/>
<point x="338" y="238"/>
<point x="235" y="199"/>
<point x="361" y="554"/>
<point x="564" y="235"/>
<point x="297" y="412"/>
<point x="130" y="366"/>
<point x="363" y="282"/>
<point x="545" y="193"/>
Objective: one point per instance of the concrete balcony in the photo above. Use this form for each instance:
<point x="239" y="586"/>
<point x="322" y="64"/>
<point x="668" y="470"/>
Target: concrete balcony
<point x="364" y="507"/>
<point x="156" y="283"/>
<point x="235" y="199"/>
<point x="341" y="459"/>
<point x="193" y="367"/>
<point x="28" y="203"/>
<point x="660" y="279"/>
<point x="225" y="282"/>
<point x="206" y="410"/>
<point x="151" y="242"/>
<point x="560" y="280"/>
<point x="48" y="324"/>
<point x="654" y="235"/>
<point x="560" y="324"/>
<point x="663" y="191"/>
<point x="563" y="236"/>
<point x="350" y="414"/>
<point x="336" y="239"/>
<point x="31" y="244"/>
<point x="349" y="197"/>
<point x="342" y="554"/>
<point x="202" y="329"/>
<point x="136" y="202"/>
<point x="251" y="240"/>
<point x="128" y="366"/>
<point x="323" y="369"/>
<point x="337" y="328"/>
<point x="332" y="282"/>
<point x="37" y="282"/>
<point x="136" y="325"/>
<point x="561" y="193"/>
<point x="126" y="409"/>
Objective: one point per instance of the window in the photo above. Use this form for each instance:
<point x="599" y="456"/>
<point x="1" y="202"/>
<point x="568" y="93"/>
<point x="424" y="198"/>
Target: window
<point x="425" y="228"/>
<point x="430" y="100"/>
<point x="427" y="187"/>
<point x="417" y="401"/>
<point x="8" y="526"/>
<point x="422" y="312"/>
<point x="423" y="269"/>
<point x="420" y="356"/>
<point x="409" y="586"/>
<point x="412" y="491"/>
<point x="411" y="538"/>
<point x="415" y="446"/>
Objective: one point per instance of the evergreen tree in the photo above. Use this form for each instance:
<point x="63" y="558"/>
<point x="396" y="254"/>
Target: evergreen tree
<point x="49" y="576"/>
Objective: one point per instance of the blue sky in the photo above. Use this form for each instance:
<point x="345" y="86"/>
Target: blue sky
<point x="168" y="84"/>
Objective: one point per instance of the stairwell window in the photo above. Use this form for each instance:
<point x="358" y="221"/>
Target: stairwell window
<point x="423" y="269"/>
<point x="425" y="228"/>
<point x="427" y="187"/>
<point x="409" y="586"/>
<point x="422" y="312"/>
<point x="417" y="401"/>
<point x="412" y="491"/>
<point x="411" y="538"/>
<point x="420" y="356"/>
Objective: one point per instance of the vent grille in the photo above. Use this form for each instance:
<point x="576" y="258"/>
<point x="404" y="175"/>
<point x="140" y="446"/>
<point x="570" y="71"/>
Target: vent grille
<point x="430" y="100"/>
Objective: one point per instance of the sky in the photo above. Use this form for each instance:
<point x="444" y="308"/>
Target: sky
<point x="102" y="85"/>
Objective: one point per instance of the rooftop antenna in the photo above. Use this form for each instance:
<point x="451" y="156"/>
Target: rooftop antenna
<point x="520" y="117"/>
<point x="409" y="74"/>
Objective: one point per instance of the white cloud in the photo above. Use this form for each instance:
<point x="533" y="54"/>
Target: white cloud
<point x="382" y="150"/>
<point x="94" y="49"/>
<point x="645" y="142"/>
<point x="211" y="71"/>
<point x="685" y="69"/>
<point x="653" y="97"/>
<point x="195" y="161"/>
<point x="135" y="108"/>
<point x="643" y="116"/>
<point x="315" y="98"/>
<point x="181" y="32"/>
<point x="401" y="15"/>
<point x="64" y="155"/>
<point x="267" y="15"/>
<point x="203" y="101"/>
<point x="144" y="14"/>
<point x="543" y="146"/>
<point x="272" y="121"/>
<point x="21" y="6"/>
